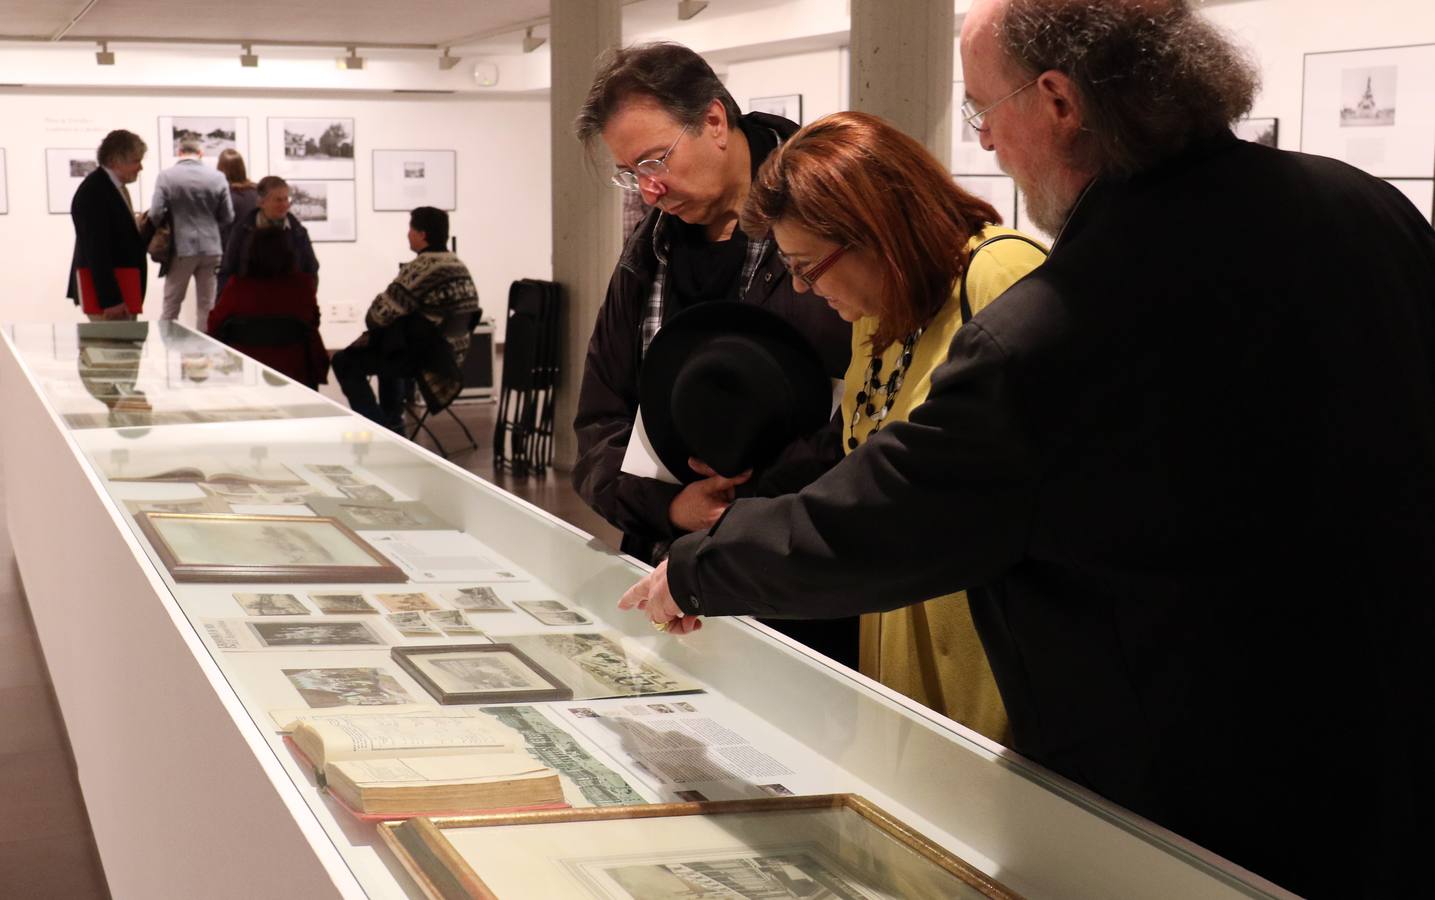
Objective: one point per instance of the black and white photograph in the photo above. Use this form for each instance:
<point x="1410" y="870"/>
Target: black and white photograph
<point x="452" y="623"/>
<point x="477" y="599"/>
<point x="343" y="604"/>
<point x="1368" y="97"/>
<point x="214" y="133"/>
<point x="311" y="148"/>
<point x="325" y="688"/>
<point x="315" y="634"/>
<point x="1372" y="108"/>
<point x="326" y="208"/>
<point x="404" y="179"/>
<point x="1259" y="131"/>
<point x="271" y="605"/>
<point x="553" y="612"/>
<point x="479" y="673"/>
<point x="66" y="167"/>
<point x="411" y="624"/>
<point x="366" y="492"/>
<point x="788" y="106"/>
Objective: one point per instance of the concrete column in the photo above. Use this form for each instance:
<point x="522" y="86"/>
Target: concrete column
<point x="586" y="207"/>
<point x="901" y="67"/>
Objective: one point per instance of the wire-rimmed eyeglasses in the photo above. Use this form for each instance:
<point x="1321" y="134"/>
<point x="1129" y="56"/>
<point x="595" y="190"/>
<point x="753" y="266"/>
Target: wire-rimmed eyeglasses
<point x="627" y="179"/>
<point x="814" y="271"/>
<point x="977" y="117"/>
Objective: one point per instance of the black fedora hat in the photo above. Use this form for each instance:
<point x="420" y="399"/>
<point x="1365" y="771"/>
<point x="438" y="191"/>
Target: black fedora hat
<point x="732" y="385"/>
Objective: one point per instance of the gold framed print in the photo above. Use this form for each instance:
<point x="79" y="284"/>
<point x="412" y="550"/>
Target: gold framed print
<point x="835" y="846"/>
<point x="480" y="673"/>
<point x="240" y="548"/>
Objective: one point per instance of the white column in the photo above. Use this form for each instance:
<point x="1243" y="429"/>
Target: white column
<point x="901" y="67"/>
<point x="586" y="239"/>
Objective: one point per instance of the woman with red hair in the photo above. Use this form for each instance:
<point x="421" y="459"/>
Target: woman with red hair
<point x="871" y="223"/>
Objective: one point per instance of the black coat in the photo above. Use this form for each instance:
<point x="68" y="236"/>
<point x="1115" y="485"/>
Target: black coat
<point x="608" y="398"/>
<point x="1188" y="469"/>
<point x="105" y="238"/>
<point x="238" y="242"/>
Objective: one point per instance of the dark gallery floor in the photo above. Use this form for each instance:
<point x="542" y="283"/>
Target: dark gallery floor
<point x="46" y="849"/>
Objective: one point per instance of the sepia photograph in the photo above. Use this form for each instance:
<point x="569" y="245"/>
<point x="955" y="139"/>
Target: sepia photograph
<point x="271" y="605"/>
<point x="342" y="604"/>
<point x="480" y="673"/>
<point x="221" y="548"/>
<point x="315" y="634"/>
<point x="552" y="612"/>
<point x="477" y="599"/>
<point x="324" y="688"/>
<point x="413" y="602"/>
<point x="411" y="624"/>
<point x="1368" y="96"/>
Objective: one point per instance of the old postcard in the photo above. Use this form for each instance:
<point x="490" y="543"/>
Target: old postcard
<point x="409" y="602"/>
<point x="271" y="605"/>
<point x="342" y="604"/>
<point x="365" y="686"/>
<point x="478" y="598"/>
<point x="552" y="612"/>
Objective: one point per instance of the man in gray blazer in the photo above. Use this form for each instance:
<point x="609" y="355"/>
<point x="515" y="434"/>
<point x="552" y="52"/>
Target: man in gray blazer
<point x="196" y="198"/>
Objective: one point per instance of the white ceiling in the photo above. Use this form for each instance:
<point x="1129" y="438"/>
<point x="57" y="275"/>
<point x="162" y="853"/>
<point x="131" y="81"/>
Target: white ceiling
<point x="361" y="22"/>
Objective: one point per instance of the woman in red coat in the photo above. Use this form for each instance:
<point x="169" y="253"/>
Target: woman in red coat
<point x="252" y="311"/>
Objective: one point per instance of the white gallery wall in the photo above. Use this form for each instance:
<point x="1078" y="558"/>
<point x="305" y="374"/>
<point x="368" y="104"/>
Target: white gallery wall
<point x="502" y="220"/>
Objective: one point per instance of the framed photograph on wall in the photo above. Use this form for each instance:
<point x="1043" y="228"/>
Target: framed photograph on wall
<point x="404" y="179"/>
<point x="326" y="208"/>
<point x="832" y="845"/>
<point x="215" y="134"/>
<point x="1421" y="192"/>
<point x="480" y="673"/>
<point x="228" y="548"/>
<point x="66" y="167"/>
<point x="4" y="185"/>
<point x="998" y="190"/>
<point x="789" y="106"/>
<point x="311" y="148"/>
<point x="1374" y="109"/>
<point x="1259" y="131"/>
<point x="967" y="152"/>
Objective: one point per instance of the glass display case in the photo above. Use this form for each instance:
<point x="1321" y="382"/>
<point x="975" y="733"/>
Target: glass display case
<point x="213" y="552"/>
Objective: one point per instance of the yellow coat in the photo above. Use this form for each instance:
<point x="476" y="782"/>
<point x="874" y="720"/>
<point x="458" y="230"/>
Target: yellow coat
<point x="930" y="651"/>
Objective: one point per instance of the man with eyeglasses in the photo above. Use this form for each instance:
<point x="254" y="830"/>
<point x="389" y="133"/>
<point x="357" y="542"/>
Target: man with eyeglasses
<point x="1186" y="468"/>
<point x="677" y="138"/>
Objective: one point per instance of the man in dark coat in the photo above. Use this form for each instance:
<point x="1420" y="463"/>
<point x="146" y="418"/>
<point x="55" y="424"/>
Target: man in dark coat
<point x="107" y="237"/>
<point x="272" y="212"/>
<point x="1186" y="468"/>
<point x="678" y="139"/>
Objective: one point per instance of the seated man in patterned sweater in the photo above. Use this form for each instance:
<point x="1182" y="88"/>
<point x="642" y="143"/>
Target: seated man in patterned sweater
<point x="418" y="327"/>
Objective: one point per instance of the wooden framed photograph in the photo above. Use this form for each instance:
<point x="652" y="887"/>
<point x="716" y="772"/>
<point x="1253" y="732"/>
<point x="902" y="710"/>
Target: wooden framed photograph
<point x="480" y="673"/>
<point x="365" y="515"/>
<point x="239" y="548"/>
<point x="833" y="845"/>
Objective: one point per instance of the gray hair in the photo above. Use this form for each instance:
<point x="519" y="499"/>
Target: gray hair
<point x="677" y="78"/>
<point x="191" y="147"/>
<point x="120" y="146"/>
<point x="1153" y="76"/>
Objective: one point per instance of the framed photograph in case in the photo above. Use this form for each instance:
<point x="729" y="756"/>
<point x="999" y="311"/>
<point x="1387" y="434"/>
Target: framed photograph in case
<point x="833" y="845"/>
<point x="242" y="548"/>
<point x="480" y="673"/>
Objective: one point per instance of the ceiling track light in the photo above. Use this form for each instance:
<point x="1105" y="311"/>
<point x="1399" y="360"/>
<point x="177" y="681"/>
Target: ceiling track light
<point x="103" y="56"/>
<point x="448" y="61"/>
<point x="531" y="43"/>
<point x="248" y="59"/>
<point x="689" y="8"/>
<point x="352" y="61"/>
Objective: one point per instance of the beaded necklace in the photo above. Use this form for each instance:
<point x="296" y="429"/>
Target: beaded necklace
<point x="867" y="397"/>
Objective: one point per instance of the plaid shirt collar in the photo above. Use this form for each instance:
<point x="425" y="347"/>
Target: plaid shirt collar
<point x="653" y="310"/>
